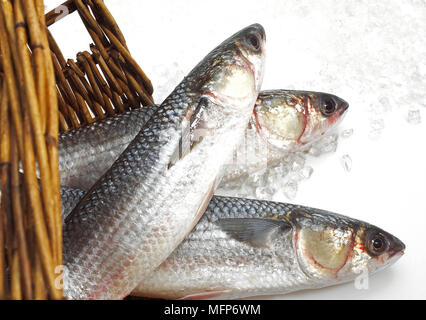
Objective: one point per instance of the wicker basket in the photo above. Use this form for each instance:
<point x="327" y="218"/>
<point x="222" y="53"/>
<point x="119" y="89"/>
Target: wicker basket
<point x="41" y="94"/>
<point x="103" y="82"/>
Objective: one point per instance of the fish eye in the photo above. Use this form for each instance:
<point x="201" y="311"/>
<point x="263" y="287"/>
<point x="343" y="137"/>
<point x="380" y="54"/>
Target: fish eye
<point x="377" y="244"/>
<point x="253" y="41"/>
<point x="328" y="107"/>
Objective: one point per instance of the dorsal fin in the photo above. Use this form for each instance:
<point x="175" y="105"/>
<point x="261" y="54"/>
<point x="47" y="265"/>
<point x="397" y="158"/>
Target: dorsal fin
<point x="256" y="231"/>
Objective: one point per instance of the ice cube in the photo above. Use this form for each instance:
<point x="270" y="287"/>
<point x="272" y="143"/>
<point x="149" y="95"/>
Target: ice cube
<point x="296" y="176"/>
<point x="264" y="193"/>
<point x="290" y="189"/>
<point x="307" y="172"/>
<point x="330" y="146"/>
<point x="314" y="151"/>
<point x="414" y="117"/>
<point x="298" y="163"/>
<point x="282" y="170"/>
<point x="257" y="179"/>
<point x="325" y="145"/>
<point x="386" y="104"/>
<point x="376" y="128"/>
<point x="347" y="133"/>
<point x="346" y="161"/>
<point x="377" y="124"/>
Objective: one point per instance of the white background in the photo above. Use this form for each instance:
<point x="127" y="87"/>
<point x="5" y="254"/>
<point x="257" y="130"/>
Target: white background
<point x="371" y="53"/>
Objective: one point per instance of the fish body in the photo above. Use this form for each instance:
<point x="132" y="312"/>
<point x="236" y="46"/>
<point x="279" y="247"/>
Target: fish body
<point x="139" y="211"/>
<point x="282" y="121"/>
<point x="244" y="247"/>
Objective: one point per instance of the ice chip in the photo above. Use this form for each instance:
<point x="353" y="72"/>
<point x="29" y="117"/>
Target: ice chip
<point x="377" y="124"/>
<point x="386" y="104"/>
<point x="376" y="128"/>
<point x="290" y="189"/>
<point x="307" y="172"/>
<point x="298" y="163"/>
<point x="325" y="145"/>
<point x="414" y="117"/>
<point x="330" y="146"/>
<point x="264" y="193"/>
<point x="296" y="176"/>
<point x="270" y="176"/>
<point x="346" y="161"/>
<point x="314" y="151"/>
<point x="284" y="170"/>
<point x="347" y="133"/>
<point x="258" y="178"/>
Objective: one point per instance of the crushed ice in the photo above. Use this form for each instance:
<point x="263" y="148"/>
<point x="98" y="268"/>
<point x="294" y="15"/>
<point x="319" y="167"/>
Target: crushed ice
<point x="283" y="178"/>
<point x="290" y="189"/>
<point x="414" y="117"/>
<point x="328" y="144"/>
<point x="347" y="133"/>
<point x="370" y="64"/>
<point x="346" y="161"/>
<point x="376" y="128"/>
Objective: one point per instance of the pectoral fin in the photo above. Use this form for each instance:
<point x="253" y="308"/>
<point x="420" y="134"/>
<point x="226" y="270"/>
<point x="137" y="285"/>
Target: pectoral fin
<point x="192" y="132"/>
<point x="255" y="231"/>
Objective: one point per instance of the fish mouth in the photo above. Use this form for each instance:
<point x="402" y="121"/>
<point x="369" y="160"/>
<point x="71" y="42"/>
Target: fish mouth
<point x="344" y="106"/>
<point x="338" y="117"/>
<point x="396" y="248"/>
<point x="391" y="259"/>
<point x="397" y="254"/>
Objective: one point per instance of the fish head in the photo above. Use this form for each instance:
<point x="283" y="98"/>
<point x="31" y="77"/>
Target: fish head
<point x="335" y="248"/>
<point x="289" y="119"/>
<point x="230" y="77"/>
<point x="374" y="249"/>
<point x="324" y="112"/>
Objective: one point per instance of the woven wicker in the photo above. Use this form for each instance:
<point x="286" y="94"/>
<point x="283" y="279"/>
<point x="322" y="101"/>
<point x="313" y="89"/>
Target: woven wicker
<point x="103" y="82"/>
<point x="41" y="94"/>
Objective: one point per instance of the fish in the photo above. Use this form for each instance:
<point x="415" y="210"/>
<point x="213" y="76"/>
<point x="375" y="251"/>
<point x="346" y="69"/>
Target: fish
<point x="243" y="248"/>
<point x="283" y="121"/>
<point x="140" y="210"/>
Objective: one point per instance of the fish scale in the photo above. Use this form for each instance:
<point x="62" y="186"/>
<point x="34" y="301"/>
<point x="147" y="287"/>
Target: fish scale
<point x="139" y="211"/>
<point x="86" y="153"/>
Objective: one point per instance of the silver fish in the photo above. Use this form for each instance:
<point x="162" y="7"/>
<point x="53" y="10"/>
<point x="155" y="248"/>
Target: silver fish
<point x="243" y="247"/>
<point x="139" y="211"/>
<point x="282" y="121"/>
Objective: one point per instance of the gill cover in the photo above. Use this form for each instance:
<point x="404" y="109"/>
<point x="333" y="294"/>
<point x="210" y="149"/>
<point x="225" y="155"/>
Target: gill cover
<point x="322" y="249"/>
